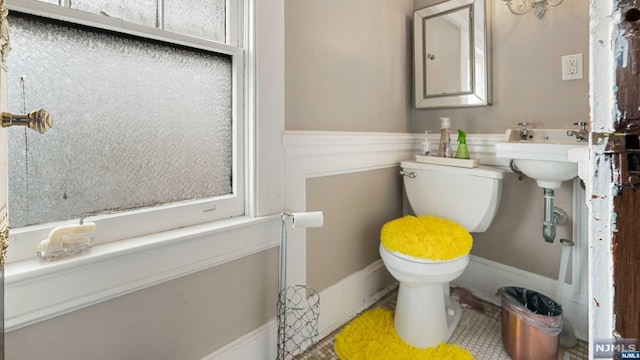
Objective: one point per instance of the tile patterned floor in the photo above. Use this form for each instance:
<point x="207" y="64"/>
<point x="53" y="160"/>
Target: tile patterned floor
<point x="477" y="332"/>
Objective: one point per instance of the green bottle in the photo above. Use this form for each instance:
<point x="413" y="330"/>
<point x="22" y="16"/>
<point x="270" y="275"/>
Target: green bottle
<point x="463" y="151"/>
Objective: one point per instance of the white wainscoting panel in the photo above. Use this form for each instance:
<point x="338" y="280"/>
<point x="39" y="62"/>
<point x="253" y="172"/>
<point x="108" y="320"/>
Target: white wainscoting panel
<point x="310" y="154"/>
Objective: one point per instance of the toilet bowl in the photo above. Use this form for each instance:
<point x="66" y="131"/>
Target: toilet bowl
<point x="424" y="315"/>
<point x="420" y="319"/>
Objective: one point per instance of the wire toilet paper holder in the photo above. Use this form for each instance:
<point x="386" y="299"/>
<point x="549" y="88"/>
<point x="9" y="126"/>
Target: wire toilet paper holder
<point x="298" y="305"/>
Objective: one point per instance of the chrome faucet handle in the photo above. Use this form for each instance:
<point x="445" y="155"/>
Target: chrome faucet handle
<point x="524" y="132"/>
<point x="582" y="124"/>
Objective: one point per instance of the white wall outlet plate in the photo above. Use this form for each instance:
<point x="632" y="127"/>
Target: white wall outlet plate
<point x="572" y="67"/>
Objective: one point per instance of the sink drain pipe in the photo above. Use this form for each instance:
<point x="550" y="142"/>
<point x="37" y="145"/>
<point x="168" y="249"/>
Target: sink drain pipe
<point x="549" y="223"/>
<point x="552" y="216"/>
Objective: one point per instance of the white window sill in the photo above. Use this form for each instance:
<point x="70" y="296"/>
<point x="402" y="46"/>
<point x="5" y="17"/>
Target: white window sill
<point x="37" y="291"/>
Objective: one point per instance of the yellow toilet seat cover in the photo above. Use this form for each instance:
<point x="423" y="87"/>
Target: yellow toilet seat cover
<point x="426" y="237"/>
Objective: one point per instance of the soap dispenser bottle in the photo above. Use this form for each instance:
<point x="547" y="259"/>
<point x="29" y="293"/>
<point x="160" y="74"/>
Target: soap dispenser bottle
<point x="444" y="149"/>
<point x="463" y="150"/>
<point x="426" y="144"/>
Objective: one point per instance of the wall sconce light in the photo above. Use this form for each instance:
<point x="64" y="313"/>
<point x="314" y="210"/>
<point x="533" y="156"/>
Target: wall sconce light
<point x="539" y="7"/>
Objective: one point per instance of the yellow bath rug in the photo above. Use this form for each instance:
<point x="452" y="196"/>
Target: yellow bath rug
<point x="371" y="336"/>
<point x="426" y="237"/>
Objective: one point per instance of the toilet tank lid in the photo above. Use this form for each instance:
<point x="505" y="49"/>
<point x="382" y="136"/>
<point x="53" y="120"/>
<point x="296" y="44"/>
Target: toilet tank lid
<point x="480" y="170"/>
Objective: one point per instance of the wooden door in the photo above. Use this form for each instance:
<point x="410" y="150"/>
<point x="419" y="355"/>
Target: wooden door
<point x="624" y="148"/>
<point x="614" y="194"/>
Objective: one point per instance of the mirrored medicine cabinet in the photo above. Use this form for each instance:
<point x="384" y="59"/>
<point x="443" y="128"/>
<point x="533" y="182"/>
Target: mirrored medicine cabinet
<point x="452" y="55"/>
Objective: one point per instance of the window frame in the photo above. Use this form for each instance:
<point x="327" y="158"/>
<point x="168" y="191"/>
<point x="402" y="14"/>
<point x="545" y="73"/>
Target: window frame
<point x="150" y="220"/>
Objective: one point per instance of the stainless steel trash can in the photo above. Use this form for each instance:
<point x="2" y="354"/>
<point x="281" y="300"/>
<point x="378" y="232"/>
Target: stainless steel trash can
<point x="531" y="324"/>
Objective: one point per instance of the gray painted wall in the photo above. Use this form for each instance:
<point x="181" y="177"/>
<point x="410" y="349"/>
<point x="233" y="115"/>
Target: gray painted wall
<point x="347" y="65"/>
<point x="356" y="206"/>
<point x="515" y="236"/>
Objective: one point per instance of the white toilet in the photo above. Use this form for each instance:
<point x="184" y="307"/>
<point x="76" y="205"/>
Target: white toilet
<point x="424" y="314"/>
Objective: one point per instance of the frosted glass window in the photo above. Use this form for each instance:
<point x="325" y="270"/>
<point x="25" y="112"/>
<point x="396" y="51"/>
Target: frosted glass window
<point x="201" y="18"/>
<point x="137" y="123"/>
<point x="140" y="11"/>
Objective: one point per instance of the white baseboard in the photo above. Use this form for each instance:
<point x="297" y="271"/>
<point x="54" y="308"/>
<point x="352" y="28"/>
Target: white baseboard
<point x="338" y="304"/>
<point x="354" y="294"/>
<point x="484" y="277"/>
<point x="260" y="344"/>
<point x="344" y="300"/>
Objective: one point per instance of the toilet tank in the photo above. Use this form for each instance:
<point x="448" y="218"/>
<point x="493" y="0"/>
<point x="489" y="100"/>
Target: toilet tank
<point x="468" y="196"/>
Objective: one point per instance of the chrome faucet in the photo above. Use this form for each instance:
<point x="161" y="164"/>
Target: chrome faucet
<point x="581" y="135"/>
<point x="524" y="133"/>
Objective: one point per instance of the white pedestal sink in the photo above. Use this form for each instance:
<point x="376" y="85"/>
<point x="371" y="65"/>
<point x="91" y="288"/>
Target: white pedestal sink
<point x="543" y="156"/>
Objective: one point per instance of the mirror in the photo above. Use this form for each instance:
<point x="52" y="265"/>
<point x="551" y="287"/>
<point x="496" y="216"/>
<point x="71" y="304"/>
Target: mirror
<point x="452" y="55"/>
